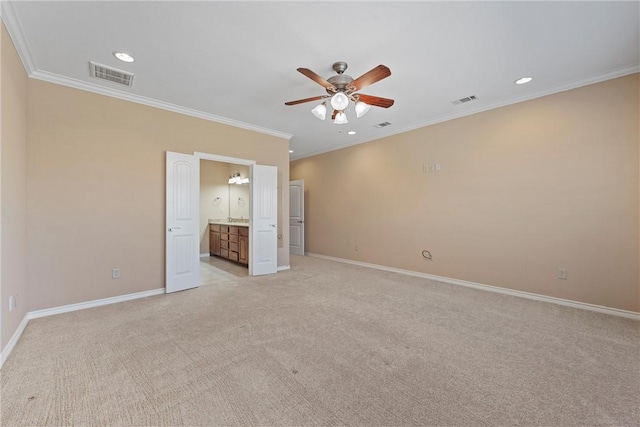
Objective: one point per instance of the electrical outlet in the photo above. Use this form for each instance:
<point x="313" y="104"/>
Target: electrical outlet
<point x="115" y="273"/>
<point x="12" y="303"/>
<point x="562" y="273"/>
<point x="356" y="248"/>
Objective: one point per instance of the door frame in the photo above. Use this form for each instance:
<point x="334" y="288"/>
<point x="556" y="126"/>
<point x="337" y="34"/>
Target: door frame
<point x="226" y="159"/>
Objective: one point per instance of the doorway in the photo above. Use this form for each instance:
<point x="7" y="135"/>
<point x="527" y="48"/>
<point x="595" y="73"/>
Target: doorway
<point x="224" y="199"/>
<point x="183" y="218"/>
<point x="296" y="217"/>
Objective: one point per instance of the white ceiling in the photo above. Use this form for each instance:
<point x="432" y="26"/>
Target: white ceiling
<point x="236" y="62"/>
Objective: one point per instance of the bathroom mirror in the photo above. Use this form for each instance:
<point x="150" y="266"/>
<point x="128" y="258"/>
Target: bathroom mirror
<point x="239" y="200"/>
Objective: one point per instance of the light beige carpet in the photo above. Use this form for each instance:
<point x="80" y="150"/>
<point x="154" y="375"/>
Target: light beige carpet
<point x="325" y="344"/>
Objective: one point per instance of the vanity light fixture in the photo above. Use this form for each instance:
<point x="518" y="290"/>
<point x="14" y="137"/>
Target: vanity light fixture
<point x="352" y="132"/>
<point x="290" y="151"/>
<point x="235" y="178"/>
<point x="523" y="80"/>
<point x="124" y="57"/>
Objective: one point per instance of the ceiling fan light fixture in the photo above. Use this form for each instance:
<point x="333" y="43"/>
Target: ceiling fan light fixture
<point x="341" y="118"/>
<point x="339" y="101"/>
<point x="320" y="111"/>
<point x="362" y="108"/>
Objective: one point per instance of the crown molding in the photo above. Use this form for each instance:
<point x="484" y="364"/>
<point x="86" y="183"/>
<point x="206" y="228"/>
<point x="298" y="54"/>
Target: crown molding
<point x="624" y="71"/>
<point x="15" y="32"/>
<point x="8" y="17"/>
<point x="138" y="99"/>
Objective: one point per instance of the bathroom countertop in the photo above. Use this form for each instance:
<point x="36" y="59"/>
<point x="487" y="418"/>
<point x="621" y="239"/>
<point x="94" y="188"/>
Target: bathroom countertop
<point x="234" y="224"/>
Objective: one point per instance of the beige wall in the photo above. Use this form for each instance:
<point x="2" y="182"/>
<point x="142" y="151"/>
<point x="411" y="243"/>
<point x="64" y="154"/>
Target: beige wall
<point x="96" y="200"/>
<point x="522" y="191"/>
<point x="13" y="183"/>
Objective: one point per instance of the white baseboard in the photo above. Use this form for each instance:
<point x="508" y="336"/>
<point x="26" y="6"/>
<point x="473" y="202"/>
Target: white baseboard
<point x="68" y="308"/>
<point x="560" y="301"/>
<point x="91" y="304"/>
<point x="207" y="255"/>
<point x="4" y="354"/>
<point x="284" y="267"/>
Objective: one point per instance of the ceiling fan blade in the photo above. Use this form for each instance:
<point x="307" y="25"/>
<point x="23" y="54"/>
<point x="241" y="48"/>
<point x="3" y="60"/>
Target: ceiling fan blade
<point x="376" y="100"/>
<point x="335" y="113"/>
<point x="316" y="78"/>
<point x="370" y="77"/>
<point x="301" y="101"/>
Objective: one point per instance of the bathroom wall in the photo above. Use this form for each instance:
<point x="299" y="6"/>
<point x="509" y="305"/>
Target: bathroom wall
<point x="239" y="194"/>
<point x="218" y="199"/>
<point x="214" y="197"/>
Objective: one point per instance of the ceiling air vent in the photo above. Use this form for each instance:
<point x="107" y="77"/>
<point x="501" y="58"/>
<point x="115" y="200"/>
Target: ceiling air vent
<point x="103" y="72"/>
<point x="383" y="124"/>
<point x="463" y="100"/>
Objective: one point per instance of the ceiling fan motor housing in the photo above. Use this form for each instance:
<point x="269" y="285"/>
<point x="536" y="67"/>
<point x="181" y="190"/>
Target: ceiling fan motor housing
<point x="341" y="80"/>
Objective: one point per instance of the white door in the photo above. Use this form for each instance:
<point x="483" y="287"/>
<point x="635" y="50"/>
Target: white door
<point x="263" y="244"/>
<point x="296" y="217"/>
<point x="182" y="237"/>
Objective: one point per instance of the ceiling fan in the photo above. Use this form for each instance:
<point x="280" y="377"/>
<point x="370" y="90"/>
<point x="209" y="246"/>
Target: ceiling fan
<point x="342" y="89"/>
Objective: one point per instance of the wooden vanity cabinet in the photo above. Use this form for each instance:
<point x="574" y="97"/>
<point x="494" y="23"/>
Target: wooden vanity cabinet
<point x="230" y="242"/>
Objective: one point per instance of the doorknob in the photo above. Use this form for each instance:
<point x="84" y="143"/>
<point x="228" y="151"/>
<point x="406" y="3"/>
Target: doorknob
<point x="174" y="228"/>
<point x="273" y="225"/>
<point x="300" y="222"/>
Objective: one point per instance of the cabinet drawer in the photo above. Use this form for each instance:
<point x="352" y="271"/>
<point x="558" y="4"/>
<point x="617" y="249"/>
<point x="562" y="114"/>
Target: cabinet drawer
<point x="233" y="237"/>
<point x="233" y="256"/>
<point x="224" y="228"/>
<point x="224" y="236"/>
<point x="214" y="227"/>
<point x="233" y="230"/>
<point x="224" y="244"/>
<point x="224" y="253"/>
<point x="243" y="231"/>
<point x="233" y="247"/>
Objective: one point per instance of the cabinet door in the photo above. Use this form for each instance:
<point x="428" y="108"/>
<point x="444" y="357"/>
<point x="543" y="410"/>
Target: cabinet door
<point x="214" y="243"/>
<point x="243" y="253"/>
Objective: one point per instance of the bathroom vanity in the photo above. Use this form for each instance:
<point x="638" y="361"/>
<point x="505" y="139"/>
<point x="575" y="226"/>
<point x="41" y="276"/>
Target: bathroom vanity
<point x="229" y="240"/>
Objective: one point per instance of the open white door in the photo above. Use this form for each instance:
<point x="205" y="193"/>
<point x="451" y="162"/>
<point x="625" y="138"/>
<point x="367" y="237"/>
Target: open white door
<point x="182" y="237"/>
<point x="263" y="244"/>
<point x="296" y="217"/>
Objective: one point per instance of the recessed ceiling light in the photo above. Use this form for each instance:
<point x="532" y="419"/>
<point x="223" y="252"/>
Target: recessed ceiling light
<point x="124" y="57"/>
<point x="352" y="132"/>
<point x="291" y="151"/>
<point x="523" y="80"/>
